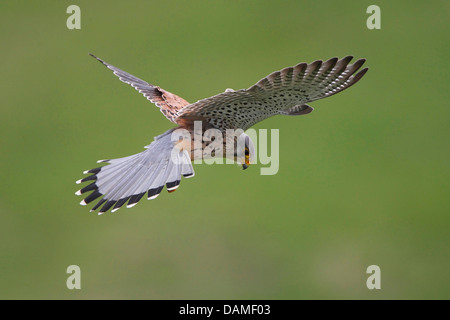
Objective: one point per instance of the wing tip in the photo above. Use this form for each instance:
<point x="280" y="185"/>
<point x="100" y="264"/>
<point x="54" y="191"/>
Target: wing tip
<point x="360" y="74"/>
<point x="95" y="57"/>
<point x="347" y="58"/>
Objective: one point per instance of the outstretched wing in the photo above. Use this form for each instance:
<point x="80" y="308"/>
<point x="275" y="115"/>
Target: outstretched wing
<point x="282" y="92"/>
<point x="168" y="103"/>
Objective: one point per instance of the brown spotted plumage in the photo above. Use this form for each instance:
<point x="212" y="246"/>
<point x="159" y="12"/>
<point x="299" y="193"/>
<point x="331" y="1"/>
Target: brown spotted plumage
<point x="284" y="92"/>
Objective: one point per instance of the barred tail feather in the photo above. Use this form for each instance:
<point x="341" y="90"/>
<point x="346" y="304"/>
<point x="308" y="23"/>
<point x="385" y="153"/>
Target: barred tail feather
<point x="128" y="179"/>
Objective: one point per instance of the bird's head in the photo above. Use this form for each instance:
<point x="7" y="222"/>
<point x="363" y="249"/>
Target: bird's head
<point x="244" y="150"/>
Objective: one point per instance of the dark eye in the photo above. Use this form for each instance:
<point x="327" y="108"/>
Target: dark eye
<point x="246" y="151"/>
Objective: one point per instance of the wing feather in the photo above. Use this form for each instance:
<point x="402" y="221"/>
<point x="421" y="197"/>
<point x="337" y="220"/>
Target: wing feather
<point x="281" y="92"/>
<point x="167" y="102"/>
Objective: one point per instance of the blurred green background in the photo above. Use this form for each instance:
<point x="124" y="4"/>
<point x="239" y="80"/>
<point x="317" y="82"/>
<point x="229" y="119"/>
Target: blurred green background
<point x="363" y="180"/>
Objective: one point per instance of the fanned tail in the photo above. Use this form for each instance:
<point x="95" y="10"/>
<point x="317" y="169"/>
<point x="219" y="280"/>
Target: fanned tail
<point x="129" y="179"/>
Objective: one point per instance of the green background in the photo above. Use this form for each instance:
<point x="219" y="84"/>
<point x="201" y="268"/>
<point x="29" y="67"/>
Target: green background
<point x="363" y="180"/>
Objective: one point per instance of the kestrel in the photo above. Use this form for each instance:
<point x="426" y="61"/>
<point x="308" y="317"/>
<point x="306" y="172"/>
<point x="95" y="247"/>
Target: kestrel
<point x="165" y="160"/>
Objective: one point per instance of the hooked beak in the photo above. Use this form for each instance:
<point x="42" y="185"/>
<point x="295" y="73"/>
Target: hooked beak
<point x="246" y="163"/>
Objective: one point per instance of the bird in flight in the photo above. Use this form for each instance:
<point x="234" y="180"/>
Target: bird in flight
<point x="165" y="160"/>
